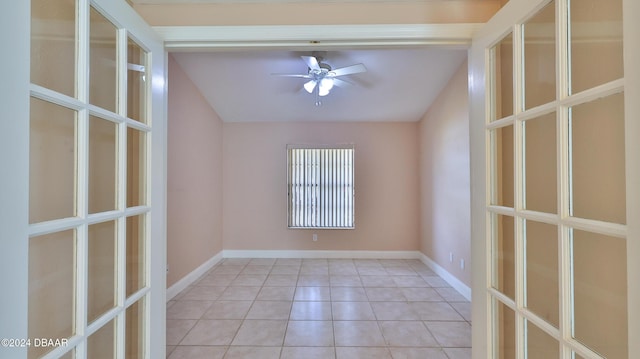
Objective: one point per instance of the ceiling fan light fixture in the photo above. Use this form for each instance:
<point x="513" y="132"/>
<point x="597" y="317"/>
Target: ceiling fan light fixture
<point x="310" y="85"/>
<point x="326" y="83"/>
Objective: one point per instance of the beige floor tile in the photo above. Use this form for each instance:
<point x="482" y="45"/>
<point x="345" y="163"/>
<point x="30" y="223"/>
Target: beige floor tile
<point x="235" y="261"/>
<point x="435" y="311"/>
<point x="309" y="333"/>
<point x="203" y="293"/>
<point x="170" y="349"/>
<point x="308" y="353"/>
<point x="407" y="334"/>
<point x="385" y="295"/>
<point x="262" y="261"/>
<point x="437" y="282"/>
<point x="393" y="311"/>
<point x="400" y="270"/>
<point x="285" y="269"/>
<point x="219" y="280"/>
<point x="228" y="269"/>
<point x="417" y="353"/>
<point x="212" y="332"/>
<point x="306" y="310"/>
<point x="261" y="333"/>
<point x="451" y="295"/>
<point x="248" y="280"/>
<point x="198" y="352"/>
<point x="362" y="353"/>
<point x="348" y="294"/>
<point x="464" y="308"/>
<point x="313" y="280"/>
<point x="345" y="281"/>
<point x="288" y="262"/>
<point x="188" y="309"/>
<point x="458" y="353"/>
<point x="358" y="333"/>
<point x="319" y="309"/>
<point x="312" y="293"/>
<point x="421" y="294"/>
<point x="256" y="269"/>
<point x="451" y="334"/>
<point x="352" y="311"/>
<point x="240" y="293"/>
<point x="412" y="281"/>
<point x="228" y="309"/>
<point x="269" y="310"/>
<point x="177" y="329"/>
<point x="281" y="280"/>
<point x="276" y="293"/>
<point x="253" y="353"/>
<point x="314" y="269"/>
<point x="378" y="281"/>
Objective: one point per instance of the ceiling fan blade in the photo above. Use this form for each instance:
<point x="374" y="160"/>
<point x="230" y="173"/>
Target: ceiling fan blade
<point x="312" y="62"/>
<point x="304" y="76"/>
<point x="353" y="69"/>
<point x="341" y="83"/>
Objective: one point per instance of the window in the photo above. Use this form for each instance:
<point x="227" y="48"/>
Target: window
<point x="320" y="185"/>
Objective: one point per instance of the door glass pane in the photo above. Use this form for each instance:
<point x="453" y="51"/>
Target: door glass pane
<point x="136" y="82"/>
<point x="596" y="43"/>
<point x="102" y="269"/>
<point x="540" y="164"/>
<point x="51" y="288"/>
<point x="542" y="293"/>
<point x="134" y="331"/>
<point x="70" y="354"/>
<point x="103" y="74"/>
<point x="504" y="255"/>
<point x="598" y="160"/>
<point x="136" y="168"/>
<point x="541" y="345"/>
<point x="52" y="161"/>
<point x="503" y="77"/>
<point x="101" y="344"/>
<point x="102" y="165"/>
<point x="540" y="58"/>
<point x="600" y="293"/>
<point x="135" y="254"/>
<point x="502" y="139"/>
<point x="504" y="329"/>
<point x="53" y="45"/>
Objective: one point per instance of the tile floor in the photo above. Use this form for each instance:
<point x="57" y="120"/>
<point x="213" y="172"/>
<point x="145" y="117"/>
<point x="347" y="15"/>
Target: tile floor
<point x="319" y="309"/>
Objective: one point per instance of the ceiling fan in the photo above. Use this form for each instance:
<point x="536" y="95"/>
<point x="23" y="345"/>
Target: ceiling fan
<point x="322" y="77"/>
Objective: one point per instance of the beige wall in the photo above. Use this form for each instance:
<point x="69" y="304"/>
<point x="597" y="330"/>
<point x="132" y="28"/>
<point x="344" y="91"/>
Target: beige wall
<point x="194" y="180"/>
<point x="445" y="178"/>
<point x="386" y="183"/>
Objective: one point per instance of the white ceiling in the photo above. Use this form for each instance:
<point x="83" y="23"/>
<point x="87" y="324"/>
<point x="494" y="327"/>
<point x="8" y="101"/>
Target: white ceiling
<point x="400" y="84"/>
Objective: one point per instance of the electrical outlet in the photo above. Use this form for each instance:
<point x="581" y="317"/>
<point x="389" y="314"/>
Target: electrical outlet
<point x="462" y="264"/>
<point x="315" y="237"/>
<point x="450" y="256"/>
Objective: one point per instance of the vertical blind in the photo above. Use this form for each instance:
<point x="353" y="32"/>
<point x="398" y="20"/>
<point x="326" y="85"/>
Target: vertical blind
<point x="320" y="187"/>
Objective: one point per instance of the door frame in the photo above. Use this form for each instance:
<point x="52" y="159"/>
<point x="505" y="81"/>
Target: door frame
<point x="15" y="92"/>
<point x="497" y="27"/>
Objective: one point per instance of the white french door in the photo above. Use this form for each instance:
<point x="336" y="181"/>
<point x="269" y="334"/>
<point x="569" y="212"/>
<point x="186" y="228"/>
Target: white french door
<point x="555" y="131"/>
<point x="84" y="236"/>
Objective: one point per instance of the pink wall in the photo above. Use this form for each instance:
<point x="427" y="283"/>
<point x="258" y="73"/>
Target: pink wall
<point x="445" y="178"/>
<point x="255" y="199"/>
<point x="194" y="180"/>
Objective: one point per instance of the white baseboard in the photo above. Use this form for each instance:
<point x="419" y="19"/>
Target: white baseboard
<point x="187" y="280"/>
<point x="320" y="254"/>
<point x="448" y="277"/>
